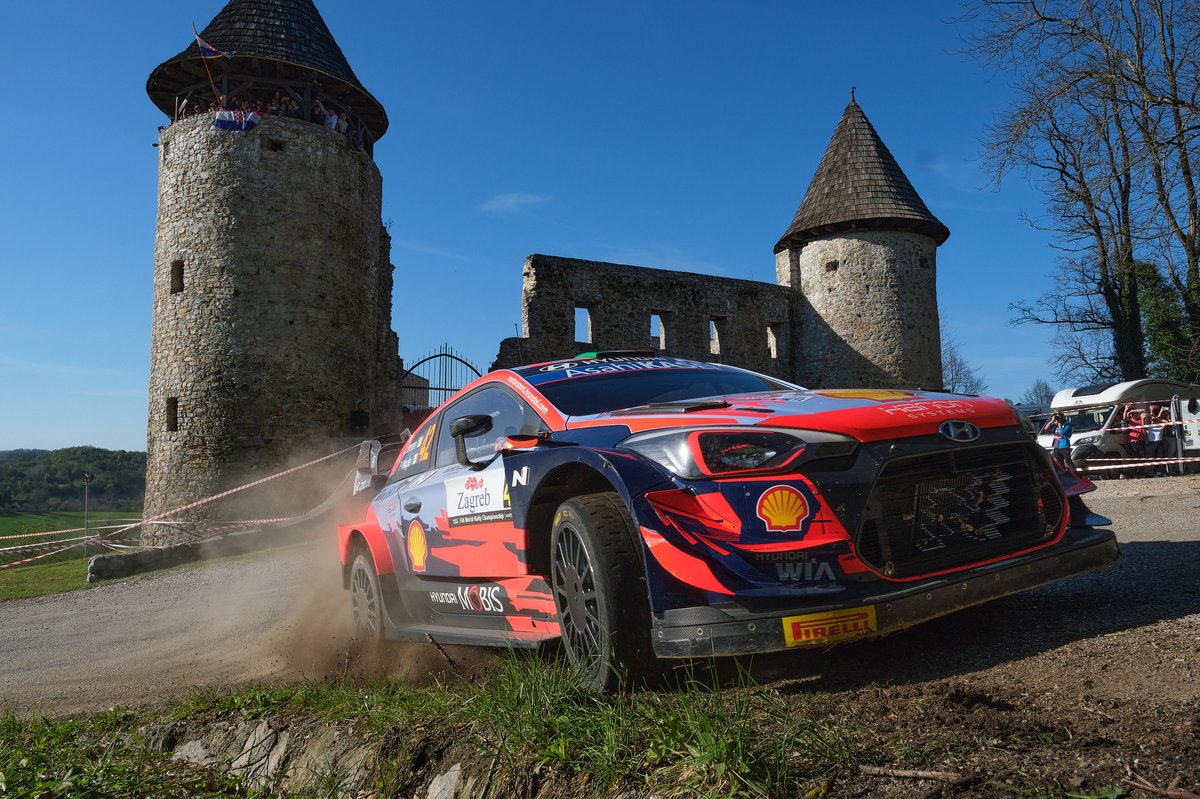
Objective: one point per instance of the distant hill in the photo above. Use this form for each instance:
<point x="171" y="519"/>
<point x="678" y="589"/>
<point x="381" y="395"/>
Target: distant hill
<point x="44" y="481"/>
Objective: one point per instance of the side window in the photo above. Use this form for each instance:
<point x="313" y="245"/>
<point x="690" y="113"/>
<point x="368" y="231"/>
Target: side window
<point x="416" y="455"/>
<point x="510" y="416"/>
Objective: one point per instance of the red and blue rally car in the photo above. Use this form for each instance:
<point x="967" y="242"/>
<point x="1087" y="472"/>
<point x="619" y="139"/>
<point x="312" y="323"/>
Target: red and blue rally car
<point x="640" y="507"/>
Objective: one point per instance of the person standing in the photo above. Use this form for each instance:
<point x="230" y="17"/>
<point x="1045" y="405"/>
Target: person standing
<point x="1061" y="429"/>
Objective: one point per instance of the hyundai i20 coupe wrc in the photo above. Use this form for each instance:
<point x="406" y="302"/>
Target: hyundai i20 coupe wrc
<point x="637" y="508"/>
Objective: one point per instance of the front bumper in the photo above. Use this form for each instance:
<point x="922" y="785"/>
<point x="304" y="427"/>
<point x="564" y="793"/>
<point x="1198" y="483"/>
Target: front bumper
<point x="732" y="629"/>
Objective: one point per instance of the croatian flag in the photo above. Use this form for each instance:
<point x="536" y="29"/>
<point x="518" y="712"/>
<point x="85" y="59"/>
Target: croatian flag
<point x="236" y="120"/>
<point x="207" y="50"/>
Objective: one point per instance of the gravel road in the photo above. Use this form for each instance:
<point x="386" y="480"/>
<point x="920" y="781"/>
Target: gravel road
<point x="1131" y="633"/>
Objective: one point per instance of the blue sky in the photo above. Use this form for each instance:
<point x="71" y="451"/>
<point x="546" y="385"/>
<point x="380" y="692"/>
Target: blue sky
<point x="679" y="135"/>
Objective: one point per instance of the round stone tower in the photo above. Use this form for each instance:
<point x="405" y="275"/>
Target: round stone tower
<point x="272" y="281"/>
<point x="862" y="251"/>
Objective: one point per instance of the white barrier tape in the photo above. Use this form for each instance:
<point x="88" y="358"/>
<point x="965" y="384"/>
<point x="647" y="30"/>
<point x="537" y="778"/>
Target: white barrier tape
<point x="1133" y="463"/>
<point x="39" y="557"/>
<point x="45" y="544"/>
<point x="59" y="532"/>
<point x="120" y="530"/>
<point x="231" y="491"/>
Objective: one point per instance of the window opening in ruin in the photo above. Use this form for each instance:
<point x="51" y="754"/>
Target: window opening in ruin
<point x="658" y="331"/>
<point x="924" y="261"/>
<point x="276" y="146"/>
<point x="831" y="266"/>
<point x="716" y="326"/>
<point x="773" y="341"/>
<point x="172" y="414"/>
<point x="176" y="277"/>
<point x="583" y="324"/>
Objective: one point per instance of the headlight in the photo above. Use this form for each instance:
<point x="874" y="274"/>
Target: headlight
<point x="698" y="453"/>
<point x="1084" y="440"/>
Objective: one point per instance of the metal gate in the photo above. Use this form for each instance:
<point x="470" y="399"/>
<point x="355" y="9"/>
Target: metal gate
<point x="433" y="378"/>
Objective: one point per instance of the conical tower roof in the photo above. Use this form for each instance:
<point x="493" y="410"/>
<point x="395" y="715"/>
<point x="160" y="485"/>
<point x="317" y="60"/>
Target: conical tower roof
<point x="285" y="41"/>
<point x="859" y="186"/>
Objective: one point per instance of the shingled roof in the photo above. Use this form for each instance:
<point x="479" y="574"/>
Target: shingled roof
<point x="275" y="39"/>
<point x="859" y="186"/>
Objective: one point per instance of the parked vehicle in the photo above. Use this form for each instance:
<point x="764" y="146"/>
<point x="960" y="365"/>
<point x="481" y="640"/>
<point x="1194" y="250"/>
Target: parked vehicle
<point x="1096" y="414"/>
<point x="637" y="507"/>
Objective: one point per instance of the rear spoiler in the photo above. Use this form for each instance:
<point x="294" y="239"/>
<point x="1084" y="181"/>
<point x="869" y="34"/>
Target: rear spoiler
<point x="369" y="471"/>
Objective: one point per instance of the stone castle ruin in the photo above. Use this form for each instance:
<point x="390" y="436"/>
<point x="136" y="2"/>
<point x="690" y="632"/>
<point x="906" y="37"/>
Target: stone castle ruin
<point x="854" y="303"/>
<point x="271" y="335"/>
<point x="272" y="272"/>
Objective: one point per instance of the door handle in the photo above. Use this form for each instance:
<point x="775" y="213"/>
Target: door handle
<point x="412" y="505"/>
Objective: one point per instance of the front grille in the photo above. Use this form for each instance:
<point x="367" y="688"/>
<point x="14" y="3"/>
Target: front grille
<point x="957" y="507"/>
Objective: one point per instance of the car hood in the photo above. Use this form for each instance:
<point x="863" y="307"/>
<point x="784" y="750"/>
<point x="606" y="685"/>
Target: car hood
<point x="865" y="414"/>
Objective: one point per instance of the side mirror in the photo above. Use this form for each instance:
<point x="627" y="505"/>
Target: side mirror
<point x="465" y="427"/>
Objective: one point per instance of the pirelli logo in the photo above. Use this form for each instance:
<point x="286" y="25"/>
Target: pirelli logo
<point x="815" y="629"/>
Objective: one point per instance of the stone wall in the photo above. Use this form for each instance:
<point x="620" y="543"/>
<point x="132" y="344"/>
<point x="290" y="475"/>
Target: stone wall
<point x="741" y="322"/>
<point x="869" y="309"/>
<point x="272" y="303"/>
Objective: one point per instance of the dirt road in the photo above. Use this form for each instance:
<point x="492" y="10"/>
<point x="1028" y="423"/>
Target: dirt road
<point x="1114" y="655"/>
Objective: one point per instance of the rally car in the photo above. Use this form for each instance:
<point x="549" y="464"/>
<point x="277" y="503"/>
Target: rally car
<point x="637" y="508"/>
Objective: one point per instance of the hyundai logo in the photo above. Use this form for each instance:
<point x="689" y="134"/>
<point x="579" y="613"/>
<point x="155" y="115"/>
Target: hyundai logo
<point x="963" y="432"/>
<point x="558" y="367"/>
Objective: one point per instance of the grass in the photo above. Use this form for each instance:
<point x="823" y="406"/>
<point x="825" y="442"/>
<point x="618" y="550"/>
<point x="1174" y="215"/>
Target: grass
<point x="97" y="757"/>
<point x="529" y="717"/>
<point x="66" y="571"/>
<point x="40" y="579"/>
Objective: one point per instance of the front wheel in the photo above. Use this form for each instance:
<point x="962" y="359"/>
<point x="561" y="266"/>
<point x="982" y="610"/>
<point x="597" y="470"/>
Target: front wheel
<point x="599" y="591"/>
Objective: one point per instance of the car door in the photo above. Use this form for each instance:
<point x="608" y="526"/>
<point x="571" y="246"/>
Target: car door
<point x="463" y="511"/>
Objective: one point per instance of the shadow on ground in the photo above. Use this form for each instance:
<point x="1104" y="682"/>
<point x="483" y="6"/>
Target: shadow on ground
<point x="1152" y="582"/>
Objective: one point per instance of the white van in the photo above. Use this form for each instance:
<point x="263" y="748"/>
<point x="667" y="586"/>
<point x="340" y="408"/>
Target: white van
<point x="1094" y="412"/>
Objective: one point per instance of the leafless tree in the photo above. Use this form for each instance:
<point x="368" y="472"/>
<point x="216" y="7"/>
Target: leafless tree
<point x="1106" y="125"/>
<point x="957" y="374"/>
<point x="1040" y="393"/>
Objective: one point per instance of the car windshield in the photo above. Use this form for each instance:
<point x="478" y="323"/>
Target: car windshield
<point x="1087" y="420"/>
<point x="583" y="396"/>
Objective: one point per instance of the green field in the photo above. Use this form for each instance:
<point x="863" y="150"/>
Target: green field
<point x="65" y="571"/>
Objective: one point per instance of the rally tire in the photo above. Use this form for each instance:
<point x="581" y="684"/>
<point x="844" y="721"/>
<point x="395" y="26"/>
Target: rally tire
<point x="600" y="592"/>
<point x="366" y="600"/>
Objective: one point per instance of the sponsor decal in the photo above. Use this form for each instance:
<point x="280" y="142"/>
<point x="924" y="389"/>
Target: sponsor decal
<point x="418" y="547"/>
<point x="783" y="509"/>
<point x="520" y="477"/>
<point x="417" y="449"/>
<point x="931" y="409"/>
<point x="473" y="598"/>
<point x="571" y="369"/>
<point x="879" y="395"/>
<point x="805" y="571"/>
<point x="528" y="394"/>
<point x="815" y="629"/>
<point x="479" y="498"/>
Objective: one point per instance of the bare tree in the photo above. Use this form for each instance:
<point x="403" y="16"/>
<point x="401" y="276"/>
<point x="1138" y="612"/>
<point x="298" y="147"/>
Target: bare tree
<point x="957" y="374"/>
<point x="1040" y="393"/>
<point x="1106" y="125"/>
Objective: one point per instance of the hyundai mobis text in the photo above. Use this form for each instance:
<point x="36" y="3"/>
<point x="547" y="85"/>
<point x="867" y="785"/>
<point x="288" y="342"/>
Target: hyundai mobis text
<point x="638" y="508"/>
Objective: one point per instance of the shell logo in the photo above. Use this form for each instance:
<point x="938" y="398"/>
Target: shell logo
<point x="418" y="548"/>
<point x="783" y="509"/>
<point x="879" y="395"/>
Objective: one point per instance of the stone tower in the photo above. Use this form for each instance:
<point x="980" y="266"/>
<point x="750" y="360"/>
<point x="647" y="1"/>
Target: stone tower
<point x="862" y="250"/>
<point x="272" y="280"/>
